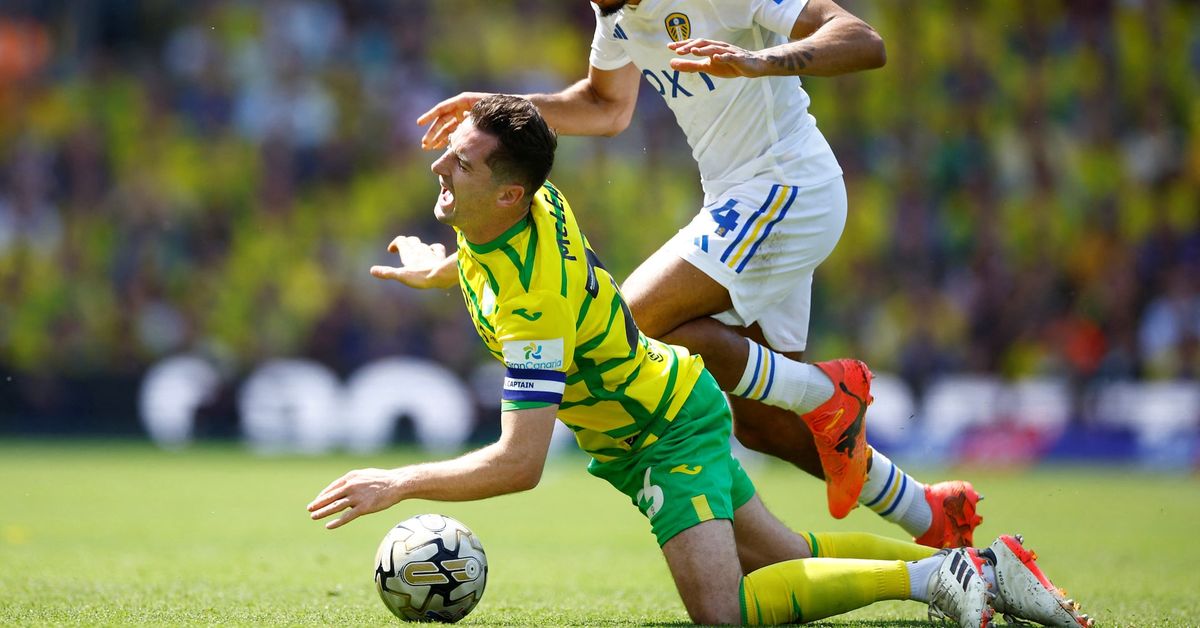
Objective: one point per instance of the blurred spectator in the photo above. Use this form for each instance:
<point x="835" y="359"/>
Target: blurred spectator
<point x="216" y="176"/>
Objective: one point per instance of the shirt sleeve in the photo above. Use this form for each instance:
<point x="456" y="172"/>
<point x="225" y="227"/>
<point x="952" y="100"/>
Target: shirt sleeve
<point x="607" y="53"/>
<point x="778" y="15"/>
<point x="537" y="334"/>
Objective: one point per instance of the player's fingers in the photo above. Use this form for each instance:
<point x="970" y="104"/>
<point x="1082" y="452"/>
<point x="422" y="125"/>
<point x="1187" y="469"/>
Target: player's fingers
<point x="347" y="517"/>
<point x="682" y="43"/>
<point x="691" y="65"/>
<point x="400" y="244"/>
<point x="434" y="137"/>
<point x="394" y="245"/>
<point x="390" y="272"/>
<point x="437" y="134"/>
<point x="338" y="483"/>
<point x="706" y="50"/>
<point x="437" y="111"/>
<point x="446" y="107"/>
<point x="325" y="498"/>
<point x="413" y="252"/>
<point x="331" y="508"/>
<point x="687" y="45"/>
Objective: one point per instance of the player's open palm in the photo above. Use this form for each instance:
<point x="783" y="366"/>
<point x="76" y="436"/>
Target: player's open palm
<point x="421" y="265"/>
<point x="359" y="492"/>
<point x="445" y="117"/>
<point x="716" y="58"/>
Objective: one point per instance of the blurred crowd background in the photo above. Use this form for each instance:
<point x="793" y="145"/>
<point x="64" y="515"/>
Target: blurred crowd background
<point x="215" y="177"/>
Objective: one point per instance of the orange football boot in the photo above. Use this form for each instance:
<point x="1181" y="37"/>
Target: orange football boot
<point x="840" y="433"/>
<point x="954" y="519"/>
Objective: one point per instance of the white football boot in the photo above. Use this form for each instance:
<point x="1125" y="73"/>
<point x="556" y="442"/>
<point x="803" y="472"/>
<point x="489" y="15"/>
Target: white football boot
<point x="959" y="591"/>
<point x="1023" y="590"/>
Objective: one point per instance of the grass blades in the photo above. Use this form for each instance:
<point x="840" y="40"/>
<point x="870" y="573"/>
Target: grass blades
<point x="119" y="533"/>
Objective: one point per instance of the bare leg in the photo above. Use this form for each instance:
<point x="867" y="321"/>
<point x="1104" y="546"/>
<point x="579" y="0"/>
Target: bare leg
<point x="762" y="539"/>
<point x="704" y="563"/>
<point x="666" y="292"/>
<point x="672" y="300"/>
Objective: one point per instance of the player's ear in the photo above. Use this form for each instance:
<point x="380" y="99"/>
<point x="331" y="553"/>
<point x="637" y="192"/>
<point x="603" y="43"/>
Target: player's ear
<point x="511" y="195"/>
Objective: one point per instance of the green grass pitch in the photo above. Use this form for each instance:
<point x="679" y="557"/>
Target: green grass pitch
<point x="124" y="534"/>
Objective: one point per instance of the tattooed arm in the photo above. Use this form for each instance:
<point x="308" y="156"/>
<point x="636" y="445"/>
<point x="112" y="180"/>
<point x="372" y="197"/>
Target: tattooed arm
<point x="827" y="41"/>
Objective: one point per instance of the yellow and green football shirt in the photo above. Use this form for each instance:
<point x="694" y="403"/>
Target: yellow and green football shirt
<point x="544" y="305"/>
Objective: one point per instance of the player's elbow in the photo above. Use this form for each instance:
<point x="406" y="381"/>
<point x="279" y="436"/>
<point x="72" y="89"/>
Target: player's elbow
<point x="617" y="114"/>
<point x="619" y="121"/>
<point x="874" y="49"/>
<point x="525" y="477"/>
<point x="522" y="470"/>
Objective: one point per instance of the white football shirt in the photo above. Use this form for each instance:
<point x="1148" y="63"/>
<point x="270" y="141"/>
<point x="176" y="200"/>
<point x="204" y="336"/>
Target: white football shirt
<point x="740" y="129"/>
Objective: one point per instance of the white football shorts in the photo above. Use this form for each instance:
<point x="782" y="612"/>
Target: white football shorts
<point x="762" y="241"/>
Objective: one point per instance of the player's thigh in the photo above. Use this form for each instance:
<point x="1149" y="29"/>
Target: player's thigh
<point x="666" y="291"/>
<point x="704" y="563"/>
<point x="762" y="539"/>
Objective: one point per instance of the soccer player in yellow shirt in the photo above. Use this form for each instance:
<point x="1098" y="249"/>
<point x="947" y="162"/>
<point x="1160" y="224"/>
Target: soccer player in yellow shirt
<point x="735" y="284"/>
<point x="653" y="420"/>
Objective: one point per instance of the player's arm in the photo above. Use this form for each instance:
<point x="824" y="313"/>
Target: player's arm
<point x="827" y="40"/>
<point x="601" y="104"/>
<point x="512" y="464"/>
<point x="421" y="265"/>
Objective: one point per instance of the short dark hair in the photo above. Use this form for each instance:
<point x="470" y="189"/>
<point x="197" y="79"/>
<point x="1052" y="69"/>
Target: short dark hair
<point x="525" y="152"/>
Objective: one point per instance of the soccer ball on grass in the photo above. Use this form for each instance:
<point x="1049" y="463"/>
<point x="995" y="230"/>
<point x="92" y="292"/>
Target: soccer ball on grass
<point x="430" y="568"/>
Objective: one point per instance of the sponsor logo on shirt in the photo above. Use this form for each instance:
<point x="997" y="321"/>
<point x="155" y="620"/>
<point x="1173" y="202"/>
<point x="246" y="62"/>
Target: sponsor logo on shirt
<point x="534" y="354"/>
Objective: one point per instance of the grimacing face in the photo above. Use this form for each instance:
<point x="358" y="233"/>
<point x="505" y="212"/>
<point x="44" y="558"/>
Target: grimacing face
<point x="468" y="193"/>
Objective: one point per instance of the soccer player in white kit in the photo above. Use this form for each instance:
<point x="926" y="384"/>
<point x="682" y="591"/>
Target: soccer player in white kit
<point x="735" y="284"/>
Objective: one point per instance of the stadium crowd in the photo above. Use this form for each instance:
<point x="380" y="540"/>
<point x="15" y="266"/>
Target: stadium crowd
<point x="217" y="176"/>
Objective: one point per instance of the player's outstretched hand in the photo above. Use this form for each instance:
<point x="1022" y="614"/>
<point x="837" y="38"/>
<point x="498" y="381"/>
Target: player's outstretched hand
<point x="445" y="117"/>
<point x="716" y="58"/>
<point x="359" y="492"/>
<point x="421" y="265"/>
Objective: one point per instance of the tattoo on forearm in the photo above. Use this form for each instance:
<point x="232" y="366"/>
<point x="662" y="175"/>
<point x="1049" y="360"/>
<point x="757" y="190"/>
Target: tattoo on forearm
<point x="791" y="61"/>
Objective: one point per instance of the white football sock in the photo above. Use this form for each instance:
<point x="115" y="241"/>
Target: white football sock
<point x="779" y="381"/>
<point x="920" y="574"/>
<point x="896" y="496"/>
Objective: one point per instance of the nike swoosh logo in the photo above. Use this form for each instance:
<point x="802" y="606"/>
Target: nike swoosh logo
<point x="523" y="313"/>
<point x="683" y="468"/>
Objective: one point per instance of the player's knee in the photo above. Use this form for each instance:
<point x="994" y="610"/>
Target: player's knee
<point x="712" y="612"/>
<point x="649" y="318"/>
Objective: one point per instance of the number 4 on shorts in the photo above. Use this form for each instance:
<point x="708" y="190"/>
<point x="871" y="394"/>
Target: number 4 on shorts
<point x="726" y="217"/>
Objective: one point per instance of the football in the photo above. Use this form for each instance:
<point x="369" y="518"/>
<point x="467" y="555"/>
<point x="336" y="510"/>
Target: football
<point x="430" y="568"/>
